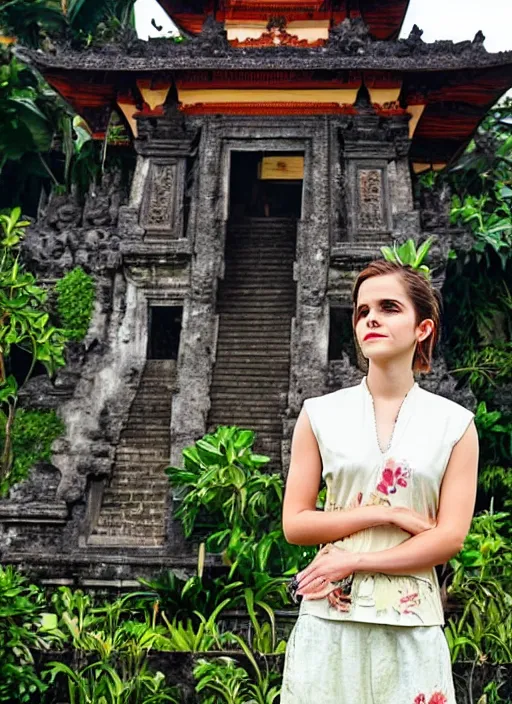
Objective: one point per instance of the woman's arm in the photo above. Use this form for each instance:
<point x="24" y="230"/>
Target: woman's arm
<point x="302" y="523"/>
<point x="456" y="506"/>
<point x="433" y="547"/>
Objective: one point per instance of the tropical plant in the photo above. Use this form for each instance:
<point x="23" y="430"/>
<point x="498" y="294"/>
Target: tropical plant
<point x="100" y="16"/>
<point x="222" y="680"/>
<point x="264" y="634"/>
<point x="186" y="637"/>
<point x="101" y="683"/>
<point x="482" y="583"/>
<point x="26" y="130"/>
<point x="24" y="323"/>
<point x="490" y="219"/>
<point x="75" y="302"/>
<point x="33" y="433"/>
<point x="21" y="614"/>
<point x="226" y="498"/>
<point x="118" y="635"/>
<point x="407" y="254"/>
<point x="182" y="597"/>
<point x="31" y="20"/>
<point x="34" y="21"/>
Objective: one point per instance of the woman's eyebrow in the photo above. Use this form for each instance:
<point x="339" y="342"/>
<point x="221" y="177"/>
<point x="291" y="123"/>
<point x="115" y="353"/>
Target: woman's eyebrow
<point x="382" y="300"/>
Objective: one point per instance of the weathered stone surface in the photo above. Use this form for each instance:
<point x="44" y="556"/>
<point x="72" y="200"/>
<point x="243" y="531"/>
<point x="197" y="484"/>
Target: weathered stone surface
<point x="102" y="489"/>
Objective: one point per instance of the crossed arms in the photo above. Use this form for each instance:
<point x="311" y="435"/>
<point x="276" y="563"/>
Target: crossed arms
<point x="430" y="544"/>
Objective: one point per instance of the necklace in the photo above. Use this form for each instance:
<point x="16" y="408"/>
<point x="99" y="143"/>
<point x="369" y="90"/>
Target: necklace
<point x="391" y="437"/>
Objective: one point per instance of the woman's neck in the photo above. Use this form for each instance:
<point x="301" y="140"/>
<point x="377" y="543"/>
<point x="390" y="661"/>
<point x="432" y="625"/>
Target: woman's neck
<point x="389" y="382"/>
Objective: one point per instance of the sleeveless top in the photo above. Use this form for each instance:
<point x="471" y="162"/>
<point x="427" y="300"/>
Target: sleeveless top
<point x="409" y="473"/>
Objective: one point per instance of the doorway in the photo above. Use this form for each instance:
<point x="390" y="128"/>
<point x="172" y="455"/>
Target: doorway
<point x="266" y="184"/>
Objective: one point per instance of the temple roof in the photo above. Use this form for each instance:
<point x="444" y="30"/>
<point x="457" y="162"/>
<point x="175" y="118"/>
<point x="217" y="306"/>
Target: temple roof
<point x="445" y="88"/>
<point x="161" y="55"/>
<point x="384" y="18"/>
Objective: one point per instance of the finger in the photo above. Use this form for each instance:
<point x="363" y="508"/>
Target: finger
<point x="320" y="593"/>
<point x="305" y="581"/>
<point x="309" y="569"/>
<point x="313" y="581"/>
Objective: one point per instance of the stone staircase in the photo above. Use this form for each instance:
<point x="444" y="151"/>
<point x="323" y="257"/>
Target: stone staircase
<point x="134" y="505"/>
<point x="256" y="303"/>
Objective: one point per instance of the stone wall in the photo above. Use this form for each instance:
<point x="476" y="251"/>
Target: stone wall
<point x="144" y="251"/>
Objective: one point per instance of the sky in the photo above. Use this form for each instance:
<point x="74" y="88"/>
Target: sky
<point x="439" y="19"/>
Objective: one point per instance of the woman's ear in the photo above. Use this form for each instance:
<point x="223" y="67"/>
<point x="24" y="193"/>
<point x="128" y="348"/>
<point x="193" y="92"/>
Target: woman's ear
<point x="426" y="328"/>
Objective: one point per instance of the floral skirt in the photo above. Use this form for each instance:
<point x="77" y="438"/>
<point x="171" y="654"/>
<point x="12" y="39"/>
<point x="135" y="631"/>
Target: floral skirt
<point x="333" y="662"/>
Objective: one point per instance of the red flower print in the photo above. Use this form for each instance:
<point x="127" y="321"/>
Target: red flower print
<point x="407" y="602"/>
<point x="339" y="600"/>
<point x="437" y="698"/>
<point x="393" y="476"/>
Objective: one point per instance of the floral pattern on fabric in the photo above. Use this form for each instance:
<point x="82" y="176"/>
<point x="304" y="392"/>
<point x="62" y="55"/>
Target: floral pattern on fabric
<point x="341" y="598"/>
<point x="408" y="603"/>
<point x="394" y="475"/>
<point x="436" y="698"/>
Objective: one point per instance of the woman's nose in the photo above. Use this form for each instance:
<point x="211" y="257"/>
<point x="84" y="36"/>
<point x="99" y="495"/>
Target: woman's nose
<point x="371" y="319"/>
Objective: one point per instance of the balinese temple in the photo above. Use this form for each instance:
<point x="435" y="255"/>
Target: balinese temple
<point x="275" y="151"/>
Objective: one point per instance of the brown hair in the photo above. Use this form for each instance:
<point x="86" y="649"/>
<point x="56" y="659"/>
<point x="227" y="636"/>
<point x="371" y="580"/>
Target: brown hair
<point x="424" y="297"/>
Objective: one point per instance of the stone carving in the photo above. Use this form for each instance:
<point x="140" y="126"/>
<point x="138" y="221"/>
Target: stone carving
<point x="349" y="37"/>
<point x="170" y="126"/>
<point x="370" y="211"/>
<point x="68" y="234"/>
<point x="160" y="202"/>
<point x="276" y="35"/>
<point x="414" y="41"/>
<point x="102" y="202"/>
<point x="213" y="39"/>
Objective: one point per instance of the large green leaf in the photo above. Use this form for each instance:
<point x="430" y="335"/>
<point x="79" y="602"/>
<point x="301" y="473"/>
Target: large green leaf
<point x="35" y="121"/>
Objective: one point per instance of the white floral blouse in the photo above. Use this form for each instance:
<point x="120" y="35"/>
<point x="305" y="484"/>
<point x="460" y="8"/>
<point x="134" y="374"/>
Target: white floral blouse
<point x="408" y="473"/>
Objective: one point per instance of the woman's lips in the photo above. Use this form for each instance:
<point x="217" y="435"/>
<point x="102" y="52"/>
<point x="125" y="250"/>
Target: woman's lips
<point x="372" y="335"/>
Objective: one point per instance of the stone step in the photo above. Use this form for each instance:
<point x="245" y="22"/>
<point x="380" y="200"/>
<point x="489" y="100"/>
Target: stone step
<point x="247" y="420"/>
<point x="243" y="363"/>
<point x="254" y="324"/>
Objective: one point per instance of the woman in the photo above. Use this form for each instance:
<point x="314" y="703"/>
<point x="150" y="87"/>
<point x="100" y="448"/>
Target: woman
<point x="400" y="465"/>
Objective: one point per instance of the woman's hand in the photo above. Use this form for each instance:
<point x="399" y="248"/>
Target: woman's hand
<point x="411" y="521"/>
<point x="332" y="564"/>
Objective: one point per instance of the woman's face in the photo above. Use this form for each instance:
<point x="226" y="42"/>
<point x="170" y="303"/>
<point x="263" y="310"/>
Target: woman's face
<point x="385" y="320"/>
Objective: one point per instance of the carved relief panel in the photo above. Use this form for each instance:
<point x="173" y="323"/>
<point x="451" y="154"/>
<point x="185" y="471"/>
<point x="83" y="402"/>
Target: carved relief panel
<point x="369" y="206"/>
<point x="162" y="207"/>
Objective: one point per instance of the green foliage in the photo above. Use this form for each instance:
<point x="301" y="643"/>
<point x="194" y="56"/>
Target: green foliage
<point x="31" y="20"/>
<point x="118" y="636"/>
<point x="35" y="22"/>
<point x="406" y="254"/>
<point x="21" y="607"/>
<point x="227" y="496"/>
<point x="33" y="433"/>
<point x="100" y="21"/>
<point x="222" y="680"/>
<point x="24" y="126"/>
<point x="101" y="683"/>
<point x="490" y="219"/>
<point x="34" y="119"/>
<point x="482" y="584"/>
<point x="75" y="302"/>
<point x="24" y="323"/>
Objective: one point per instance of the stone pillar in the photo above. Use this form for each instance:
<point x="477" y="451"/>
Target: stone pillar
<point x="309" y="341"/>
<point x="191" y="404"/>
<point x="164" y="145"/>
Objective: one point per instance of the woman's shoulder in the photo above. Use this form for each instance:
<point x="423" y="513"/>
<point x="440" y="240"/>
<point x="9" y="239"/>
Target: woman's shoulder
<point x="441" y="403"/>
<point x="446" y="415"/>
